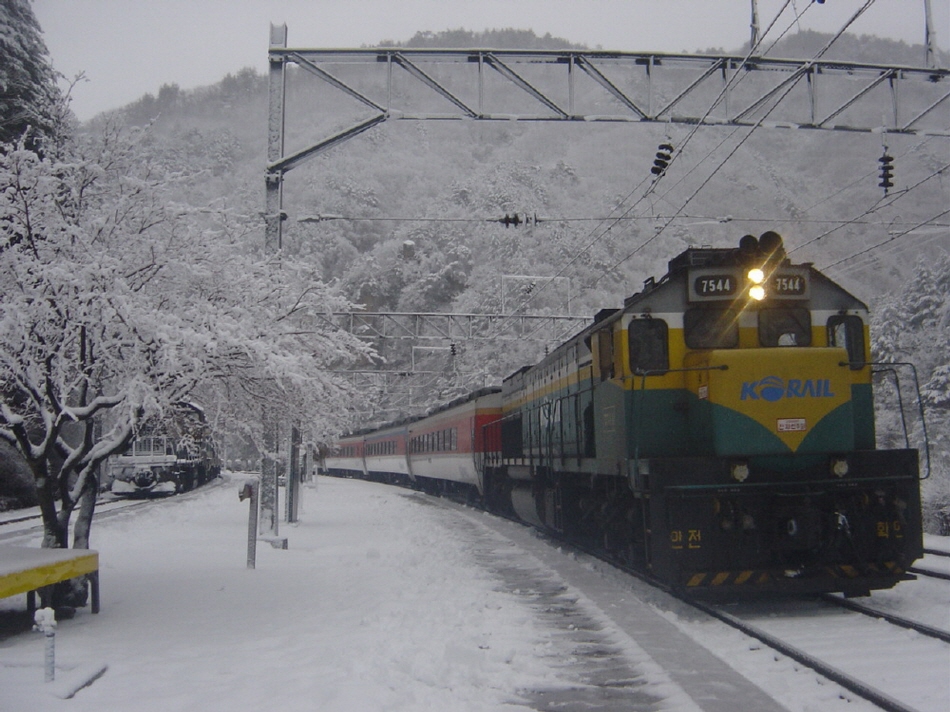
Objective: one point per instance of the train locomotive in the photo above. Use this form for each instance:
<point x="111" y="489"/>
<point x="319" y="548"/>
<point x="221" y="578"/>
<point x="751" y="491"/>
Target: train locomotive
<point x="168" y="459"/>
<point x="716" y="433"/>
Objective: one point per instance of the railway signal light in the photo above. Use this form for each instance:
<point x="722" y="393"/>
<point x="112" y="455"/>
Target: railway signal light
<point x="664" y="155"/>
<point x="887" y="171"/>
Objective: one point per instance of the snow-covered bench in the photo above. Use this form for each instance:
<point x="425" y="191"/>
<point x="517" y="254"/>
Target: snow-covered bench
<point x="25" y="570"/>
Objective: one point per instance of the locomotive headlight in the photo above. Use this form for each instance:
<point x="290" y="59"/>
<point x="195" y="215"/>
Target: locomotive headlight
<point x="757" y="277"/>
<point x="839" y="466"/>
<point x="740" y="471"/>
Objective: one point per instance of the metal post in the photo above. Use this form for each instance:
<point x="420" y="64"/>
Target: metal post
<point x="930" y="37"/>
<point x="754" y="39"/>
<point x="293" y="476"/>
<point x="274" y="179"/>
<point x="250" y="491"/>
<point x="273" y="222"/>
<point x="45" y="619"/>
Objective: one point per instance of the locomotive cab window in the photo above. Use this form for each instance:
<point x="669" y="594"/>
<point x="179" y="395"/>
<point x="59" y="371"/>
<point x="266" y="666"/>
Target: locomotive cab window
<point x="848" y="332"/>
<point x="711" y="328"/>
<point x="649" y="346"/>
<point x="785" y="327"/>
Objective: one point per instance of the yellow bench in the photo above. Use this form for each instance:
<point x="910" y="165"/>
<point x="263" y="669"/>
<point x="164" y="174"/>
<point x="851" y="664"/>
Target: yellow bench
<point x="25" y="570"/>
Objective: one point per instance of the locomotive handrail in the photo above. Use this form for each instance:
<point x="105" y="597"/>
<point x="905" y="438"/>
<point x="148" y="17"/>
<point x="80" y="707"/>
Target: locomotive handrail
<point x="900" y="401"/>
<point x="888" y="366"/>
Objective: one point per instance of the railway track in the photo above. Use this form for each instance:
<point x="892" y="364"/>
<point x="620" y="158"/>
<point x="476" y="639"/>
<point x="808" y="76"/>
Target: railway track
<point x="18" y="526"/>
<point x="892" y="618"/>
<point x="836" y="623"/>
<point x="940" y="568"/>
<point x="843" y="624"/>
<point x="856" y="627"/>
<point x="862" y="622"/>
<point x="812" y="633"/>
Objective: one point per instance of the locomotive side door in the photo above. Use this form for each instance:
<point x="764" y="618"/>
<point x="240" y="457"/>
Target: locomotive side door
<point x="609" y="403"/>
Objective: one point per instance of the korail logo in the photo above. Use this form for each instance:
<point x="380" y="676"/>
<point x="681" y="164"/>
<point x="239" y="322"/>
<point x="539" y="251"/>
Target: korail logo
<point x="773" y="388"/>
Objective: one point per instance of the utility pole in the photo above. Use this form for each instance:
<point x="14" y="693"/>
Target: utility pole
<point x="930" y="37"/>
<point x="273" y="225"/>
<point x="276" y="88"/>
<point x="754" y="39"/>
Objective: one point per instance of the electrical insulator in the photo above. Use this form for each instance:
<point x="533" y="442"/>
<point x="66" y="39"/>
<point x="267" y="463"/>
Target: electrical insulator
<point x="664" y="155"/>
<point x="511" y="220"/>
<point x="452" y="349"/>
<point x="887" y="171"/>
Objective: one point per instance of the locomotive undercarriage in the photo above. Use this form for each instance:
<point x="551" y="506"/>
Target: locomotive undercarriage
<point x="689" y="527"/>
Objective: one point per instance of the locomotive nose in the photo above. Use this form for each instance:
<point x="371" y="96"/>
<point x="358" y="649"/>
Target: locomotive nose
<point x="143" y="478"/>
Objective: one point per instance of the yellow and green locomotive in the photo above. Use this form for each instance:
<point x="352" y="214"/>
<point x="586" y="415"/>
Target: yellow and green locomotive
<point x="717" y="433"/>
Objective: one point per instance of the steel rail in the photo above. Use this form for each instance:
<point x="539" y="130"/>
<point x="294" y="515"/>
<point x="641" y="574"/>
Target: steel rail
<point x="852" y="684"/>
<point x="892" y="618"/>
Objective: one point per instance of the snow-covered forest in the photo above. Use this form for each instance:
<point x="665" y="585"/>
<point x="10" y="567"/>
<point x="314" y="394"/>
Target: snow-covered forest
<point x="134" y="244"/>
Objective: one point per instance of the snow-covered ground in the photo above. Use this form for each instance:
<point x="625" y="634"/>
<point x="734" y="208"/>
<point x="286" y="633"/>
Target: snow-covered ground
<point x="380" y="603"/>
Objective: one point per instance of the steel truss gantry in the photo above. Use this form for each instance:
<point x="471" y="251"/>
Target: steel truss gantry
<point x="597" y="87"/>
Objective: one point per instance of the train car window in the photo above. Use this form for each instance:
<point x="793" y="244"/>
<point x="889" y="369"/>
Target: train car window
<point x="711" y="328"/>
<point x="790" y="326"/>
<point x="649" y="345"/>
<point x="847" y="331"/>
<point x="605" y="344"/>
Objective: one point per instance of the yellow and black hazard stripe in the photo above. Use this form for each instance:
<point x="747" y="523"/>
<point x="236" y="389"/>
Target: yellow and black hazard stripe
<point x="728" y="578"/>
<point x="848" y="571"/>
<point x="753" y="577"/>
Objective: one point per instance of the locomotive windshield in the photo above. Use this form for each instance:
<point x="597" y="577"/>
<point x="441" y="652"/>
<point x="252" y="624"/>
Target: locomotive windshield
<point x="785" y="327"/>
<point x="711" y="328"/>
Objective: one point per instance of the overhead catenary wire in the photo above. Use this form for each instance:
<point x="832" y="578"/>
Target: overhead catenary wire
<point x="883" y="202"/>
<point x="657" y="178"/>
<point x="600" y="218"/>
<point x="861" y="179"/>
<point x="868" y="260"/>
<point x="724" y="219"/>
<point x="890" y="239"/>
<point x="757" y="125"/>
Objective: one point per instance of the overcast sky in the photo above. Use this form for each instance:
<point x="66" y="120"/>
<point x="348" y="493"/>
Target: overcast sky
<point x="129" y="47"/>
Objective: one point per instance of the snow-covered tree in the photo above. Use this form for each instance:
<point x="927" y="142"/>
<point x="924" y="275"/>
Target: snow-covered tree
<point x="30" y="101"/>
<point x="913" y="325"/>
<point x="120" y="303"/>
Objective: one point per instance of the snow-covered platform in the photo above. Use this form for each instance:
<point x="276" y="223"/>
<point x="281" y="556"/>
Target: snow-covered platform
<point x="25" y="570"/>
<point x="385" y="599"/>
